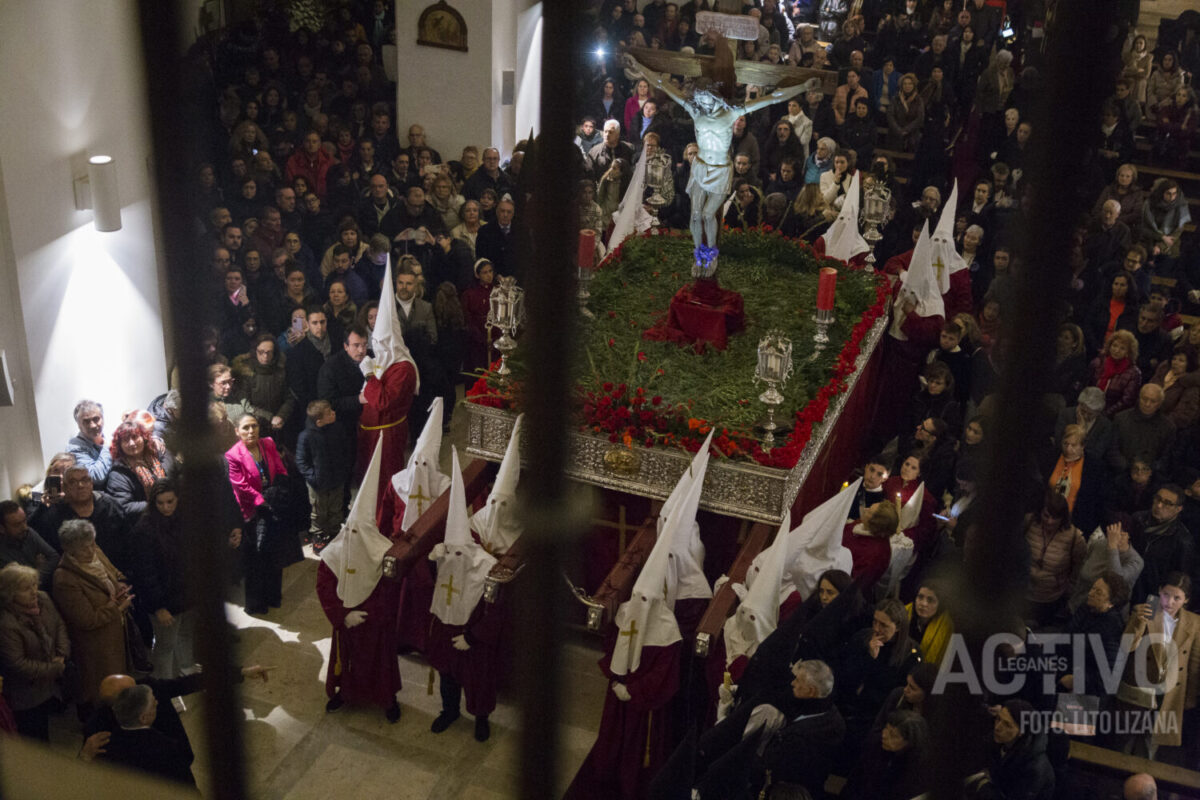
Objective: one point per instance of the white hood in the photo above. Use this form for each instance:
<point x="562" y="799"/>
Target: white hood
<point x="647" y="618"/>
<point x="355" y="556"/>
<point x="422" y="482"/>
<point x="843" y="240"/>
<point x="626" y="216"/>
<point x="816" y="546"/>
<point x="757" y="614"/>
<point x="920" y="281"/>
<point x="943" y="244"/>
<point x="497" y="523"/>
<point x="462" y="564"/>
<point x="387" y="340"/>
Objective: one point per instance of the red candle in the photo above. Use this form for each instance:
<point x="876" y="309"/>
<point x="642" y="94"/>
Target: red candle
<point x="587" y="249"/>
<point x="826" y="286"/>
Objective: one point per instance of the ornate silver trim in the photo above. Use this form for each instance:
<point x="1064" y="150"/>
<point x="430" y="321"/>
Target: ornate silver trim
<point x="738" y="489"/>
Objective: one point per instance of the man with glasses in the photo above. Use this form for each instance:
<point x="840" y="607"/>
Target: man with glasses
<point x="1163" y="541"/>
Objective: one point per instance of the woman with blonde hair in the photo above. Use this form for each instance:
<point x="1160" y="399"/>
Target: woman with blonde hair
<point x="1115" y="372"/>
<point x="34" y="648"/>
<point x="811" y="215"/>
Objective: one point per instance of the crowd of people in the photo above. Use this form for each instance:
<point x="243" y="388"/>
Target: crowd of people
<point x="305" y="201"/>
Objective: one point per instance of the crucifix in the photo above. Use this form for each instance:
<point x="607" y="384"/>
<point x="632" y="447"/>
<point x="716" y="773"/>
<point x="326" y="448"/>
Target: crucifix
<point x="450" y="590"/>
<point x="631" y="633"/>
<point x="421" y="499"/>
<point x="714" y="111"/>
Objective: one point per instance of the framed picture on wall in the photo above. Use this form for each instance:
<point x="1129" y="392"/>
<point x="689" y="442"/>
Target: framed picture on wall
<point x="440" y="25"/>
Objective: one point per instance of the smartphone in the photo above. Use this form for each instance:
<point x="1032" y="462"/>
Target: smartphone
<point x="942" y="518"/>
<point x="297" y="325"/>
<point x="53" y="483"/>
<point x="1152" y="601"/>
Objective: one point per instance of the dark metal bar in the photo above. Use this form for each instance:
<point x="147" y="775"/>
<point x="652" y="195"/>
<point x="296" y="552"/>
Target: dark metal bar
<point x="549" y="282"/>
<point x="1066" y="120"/>
<point x="176" y="122"/>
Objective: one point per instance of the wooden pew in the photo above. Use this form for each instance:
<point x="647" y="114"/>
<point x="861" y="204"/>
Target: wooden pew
<point x="1111" y="760"/>
<point x="409" y="547"/>
<point x="725" y="601"/>
<point x="618" y="584"/>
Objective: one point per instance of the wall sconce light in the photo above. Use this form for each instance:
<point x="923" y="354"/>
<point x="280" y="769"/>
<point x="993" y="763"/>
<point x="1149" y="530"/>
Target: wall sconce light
<point x="97" y="190"/>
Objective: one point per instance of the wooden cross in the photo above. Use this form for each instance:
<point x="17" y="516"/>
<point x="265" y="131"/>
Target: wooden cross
<point x="757" y="73"/>
<point x="421" y="499"/>
<point x="450" y="590"/>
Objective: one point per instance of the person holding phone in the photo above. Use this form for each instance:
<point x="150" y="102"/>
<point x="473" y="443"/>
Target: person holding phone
<point x="1162" y="673"/>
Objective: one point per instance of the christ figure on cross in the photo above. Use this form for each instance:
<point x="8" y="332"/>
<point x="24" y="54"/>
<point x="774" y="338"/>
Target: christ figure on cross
<point x="714" y="112"/>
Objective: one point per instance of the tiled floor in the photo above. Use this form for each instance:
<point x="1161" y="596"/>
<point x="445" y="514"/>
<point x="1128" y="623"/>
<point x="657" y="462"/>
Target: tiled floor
<point x="297" y="751"/>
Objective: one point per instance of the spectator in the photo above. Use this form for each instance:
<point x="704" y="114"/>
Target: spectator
<point x="340" y="381"/>
<point x="1164" y="81"/>
<point x="81" y="502"/>
<point x="1160" y="536"/>
<point x="1017" y="764"/>
<point x="905" y="116"/>
<point x="88" y="445"/>
<point x="137" y="464"/>
<point x="1154" y="344"/>
<point x="20" y="544"/>
<point x="1100" y="619"/>
<point x="1179" y="378"/>
<point x="929" y="622"/>
<point x="321" y="459"/>
<point x="312" y="163"/>
<point x="1108" y="550"/>
<point x="1133" y="489"/>
<point x="259" y="477"/>
<point x="137" y="744"/>
<point x="1056" y="551"/>
<point x="33" y="651"/>
<point x="1115" y="371"/>
<point x="1078" y="478"/>
<point x="162" y="582"/>
<point x="498" y="242"/>
<point x="94" y="599"/>
<point x="896" y="767"/>
<point x="1142" y="431"/>
<point x="468" y="229"/>
<point x="489" y="175"/>
<point x="340" y="309"/>
<point x="261" y="375"/>
<point x="1177" y="122"/>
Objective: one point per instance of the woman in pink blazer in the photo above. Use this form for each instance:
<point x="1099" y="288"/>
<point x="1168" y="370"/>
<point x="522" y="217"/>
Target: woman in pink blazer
<point x="255" y="468"/>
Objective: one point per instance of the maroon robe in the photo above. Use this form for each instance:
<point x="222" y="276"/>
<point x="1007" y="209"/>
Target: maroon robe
<point x="415" y="594"/>
<point x="475" y="299"/>
<point x="902" y="363"/>
<point x="958" y="298"/>
<point x="363" y="666"/>
<point x="871" y="555"/>
<point x="637" y="736"/>
<point x="386" y="415"/>
<point x="479" y="669"/>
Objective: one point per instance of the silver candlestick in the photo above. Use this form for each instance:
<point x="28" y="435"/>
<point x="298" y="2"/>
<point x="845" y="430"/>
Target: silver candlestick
<point x="584" y="294"/>
<point x="876" y="211"/>
<point x="774" y="367"/>
<point x="506" y="311"/>
<point x="824" y="319"/>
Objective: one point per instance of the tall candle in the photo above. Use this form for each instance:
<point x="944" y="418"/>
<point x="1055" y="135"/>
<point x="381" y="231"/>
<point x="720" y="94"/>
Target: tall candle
<point x="587" y="249"/>
<point x="826" y="287"/>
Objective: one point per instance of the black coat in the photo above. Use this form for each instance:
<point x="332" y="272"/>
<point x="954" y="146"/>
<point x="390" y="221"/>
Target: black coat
<point x="126" y="489"/>
<point x="340" y="381"/>
<point x="1022" y="772"/>
<point x="499" y="247"/>
<point x="303" y="366"/>
<point x="150" y="750"/>
<point x="160" y="563"/>
<point x="1171" y="549"/>
<point x="321" y="458"/>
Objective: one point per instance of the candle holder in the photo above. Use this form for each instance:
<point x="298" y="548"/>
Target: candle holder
<point x="506" y="311"/>
<point x="774" y="367"/>
<point x="584" y="294"/>
<point x="824" y="318"/>
<point x="876" y="212"/>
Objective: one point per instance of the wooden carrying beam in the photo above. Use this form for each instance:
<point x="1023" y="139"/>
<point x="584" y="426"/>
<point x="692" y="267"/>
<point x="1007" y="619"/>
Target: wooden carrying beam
<point x="757" y="73"/>
<point x="618" y="584"/>
<point x="725" y="600"/>
<point x="412" y="545"/>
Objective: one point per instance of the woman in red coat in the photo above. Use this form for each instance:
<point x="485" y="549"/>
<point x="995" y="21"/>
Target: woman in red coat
<point x="255" y="470"/>
<point x="475" y="309"/>
<point x="1115" y="373"/>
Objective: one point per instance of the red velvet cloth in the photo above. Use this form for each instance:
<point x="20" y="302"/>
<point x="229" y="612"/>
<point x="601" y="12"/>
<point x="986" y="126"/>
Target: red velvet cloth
<point x="415" y="592"/>
<point x="388" y="402"/>
<point x="701" y="313"/>
<point x="362" y="660"/>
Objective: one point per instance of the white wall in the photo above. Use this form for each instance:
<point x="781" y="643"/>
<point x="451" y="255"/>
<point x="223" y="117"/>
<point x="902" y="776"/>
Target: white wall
<point x="73" y="86"/>
<point x="456" y="96"/>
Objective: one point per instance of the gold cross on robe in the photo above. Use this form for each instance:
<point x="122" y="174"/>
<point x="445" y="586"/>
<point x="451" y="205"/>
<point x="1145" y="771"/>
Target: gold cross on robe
<point x="421" y="499"/>
<point x="631" y="633"/>
<point x="939" y="266"/>
<point x="450" y="590"/>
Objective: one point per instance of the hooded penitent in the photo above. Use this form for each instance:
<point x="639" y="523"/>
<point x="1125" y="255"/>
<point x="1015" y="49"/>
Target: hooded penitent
<point x="647" y="618"/>
<point x="793" y="562"/>
<point x="919" y="284"/>
<point x="945" y="259"/>
<point x="497" y="523"/>
<point x="387" y="340"/>
<point x="422" y="482"/>
<point x="462" y="564"/>
<point x="355" y="556"/>
<point x="843" y="240"/>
